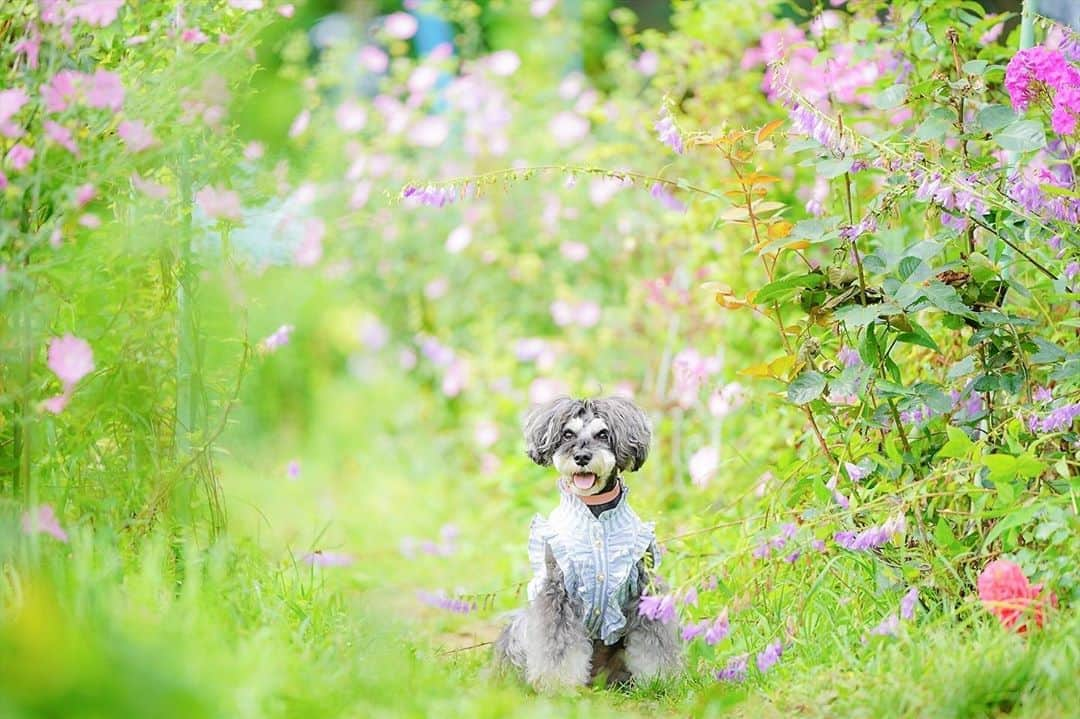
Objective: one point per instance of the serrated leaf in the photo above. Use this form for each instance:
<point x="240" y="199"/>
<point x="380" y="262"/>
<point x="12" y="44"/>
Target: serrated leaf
<point x="807" y="387"/>
<point x="945" y="298"/>
<point x="908" y="265"/>
<point x="1048" y="352"/>
<point x="1021" y="136"/>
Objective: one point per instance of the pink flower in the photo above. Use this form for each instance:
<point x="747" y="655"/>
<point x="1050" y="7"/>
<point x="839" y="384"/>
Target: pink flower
<point x="458" y="239"/>
<point x="545" y="389"/>
<point x="300" y="123"/>
<point x="253" y="151"/>
<point x="30" y="46"/>
<point x="151" y="189"/>
<point x="10" y="103"/>
<point x="293" y="469"/>
<point x="1006" y="592"/>
<point x="568" y="128"/>
<point x="70" y="359"/>
<point x="90" y="221"/>
<point x="19" y="156"/>
<point x="279" y="338"/>
<point x="246" y="5"/>
<point x="719" y="629"/>
<point x="400" y="25"/>
<point x="504" y="62"/>
<point x="218" y="203"/>
<point x="429" y="132"/>
<point x="61" y="136"/>
<point x="105" y="91"/>
<point x="287" y="10"/>
<point x="95" y="12"/>
<point x="319" y="558"/>
<point x="84" y="194"/>
<point x="350" y="116"/>
<point x="574" y="251"/>
<point x="193" y="35"/>
<point x="56" y="404"/>
<point x="373" y="58"/>
<point x="136" y="135"/>
<point x="485" y="433"/>
<point x="703" y="465"/>
<point x="540" y="8"/>
<point x="310" y="249"/>
<point x="59" y="90"/>
<point x="43" y="519"/>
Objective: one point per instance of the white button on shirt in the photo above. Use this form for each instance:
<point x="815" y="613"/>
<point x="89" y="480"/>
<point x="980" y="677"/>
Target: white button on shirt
<point x="603" y="572"/>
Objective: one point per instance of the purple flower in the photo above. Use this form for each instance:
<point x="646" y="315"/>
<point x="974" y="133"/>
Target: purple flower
<point x="719" y="629"/>
<point x="293" y="469"/>
<point x="439" y="600"/>
<point x="839" y="497"/>
<point x="769" y="656"/>
<point x="908" y="603"/>
<point x="660" y="608"/>
<point x="887" y="627"/>
<point x="735" y="670"/>
<point x="855" y="472"/>
<point x="668" y="200"/>
<point x="319" y="558"/>
<point x="808" y="121"/>
<point x="279" y="338"/>
<point x="1072" y="270"/>
<point x="1042" y="394"/>
<point x="690" y="597"/>
<point x="1057" y="420"/>
<point x="668" y="132"/>
<point x="693" y="631"/>
<point x="434" y="195"/>
<point x="872" y="537"/>
<point x="849" y="357"/>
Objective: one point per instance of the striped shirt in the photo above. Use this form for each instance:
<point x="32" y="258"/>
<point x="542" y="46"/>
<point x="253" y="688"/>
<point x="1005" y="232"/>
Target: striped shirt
<point x="598" y="557"/>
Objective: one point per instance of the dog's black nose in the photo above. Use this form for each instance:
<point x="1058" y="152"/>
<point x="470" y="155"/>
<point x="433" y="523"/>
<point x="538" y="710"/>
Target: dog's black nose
<point x="582" y="458"/>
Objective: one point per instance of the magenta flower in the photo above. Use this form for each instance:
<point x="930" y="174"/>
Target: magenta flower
<point x="1039" y="69"/>
<point x="30" y="47"/>
<point x="61" y="136"/>
<point x="104" y="90"/>
<point x="70" y="359"/>
<point x="19" y="156"/>
<point x="98" y="13"/>
<point x="59" y="90"/>
<point x="193" y="35"/>
<point x="218" y="203"/>
<point x="719" y="629"/>
<point x="292" y="469"/>
<point x="43" y="519"/>
<point x="136" y="135"/>
<point x="735" y="670"/>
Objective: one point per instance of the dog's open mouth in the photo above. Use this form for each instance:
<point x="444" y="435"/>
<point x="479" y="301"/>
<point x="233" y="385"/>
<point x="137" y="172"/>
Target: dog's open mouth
<point x="584" y="480"/>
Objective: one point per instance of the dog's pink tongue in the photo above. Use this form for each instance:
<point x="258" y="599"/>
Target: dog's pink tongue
<point x="584" y="481"/>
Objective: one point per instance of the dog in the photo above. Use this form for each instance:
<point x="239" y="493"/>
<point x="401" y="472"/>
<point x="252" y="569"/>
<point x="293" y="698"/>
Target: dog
<point x="592" y="558"/>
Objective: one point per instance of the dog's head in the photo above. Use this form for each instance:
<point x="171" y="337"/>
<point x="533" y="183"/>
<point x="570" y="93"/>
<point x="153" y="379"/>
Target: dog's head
<point x="588" y="440"/>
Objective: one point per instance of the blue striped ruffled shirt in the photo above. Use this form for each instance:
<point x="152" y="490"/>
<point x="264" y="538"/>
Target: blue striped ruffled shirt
<point x="597" y="555"/>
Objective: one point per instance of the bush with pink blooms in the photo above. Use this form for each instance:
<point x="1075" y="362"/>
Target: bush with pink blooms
<point x="830" y="247"/>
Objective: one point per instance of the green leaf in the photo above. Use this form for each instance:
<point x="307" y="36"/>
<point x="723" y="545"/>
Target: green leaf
<point x="891" y="97"/>
<point x="943" y="535"/>
<point x="908" y="265"/>
<point x="918" y="336"/>
<point x="1002" y="467"/>
<point x="1048" y="352"/>
<point x="994" y="117"/>
<point x="1013" y="519"/>
<point x="1021" y="136"/>
<point x="1028" y="467"/>
<point x="975" y="67"/>
<point x="780" y="288"/>
<point x="963" y="367"/>
<point x="806" y="387"/>
<point x="945" y="298"/>
<point x="833" y="167"/>
<point x="932" y="128"/>
<point x="814" y="229"/>
<point x="958" y="446"/>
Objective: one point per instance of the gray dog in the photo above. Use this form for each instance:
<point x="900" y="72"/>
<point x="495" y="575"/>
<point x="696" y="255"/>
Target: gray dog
<point x="592" y="558"/>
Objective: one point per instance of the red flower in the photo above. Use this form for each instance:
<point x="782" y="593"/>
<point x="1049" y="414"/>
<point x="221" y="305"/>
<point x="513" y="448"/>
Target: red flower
<point x="1006" y="592"/>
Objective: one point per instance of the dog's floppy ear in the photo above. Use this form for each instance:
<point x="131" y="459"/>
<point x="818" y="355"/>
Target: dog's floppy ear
<point x="629" y="425"/>
<point x="544" y="425"/>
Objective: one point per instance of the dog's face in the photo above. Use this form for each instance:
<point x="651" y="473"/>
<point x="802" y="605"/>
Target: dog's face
<point x="588" y="440"/>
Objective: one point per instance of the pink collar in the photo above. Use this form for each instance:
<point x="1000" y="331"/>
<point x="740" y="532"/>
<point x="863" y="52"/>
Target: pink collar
<point x="595" y="499"/>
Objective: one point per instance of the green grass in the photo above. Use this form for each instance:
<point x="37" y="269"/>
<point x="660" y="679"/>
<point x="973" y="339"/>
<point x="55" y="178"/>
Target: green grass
<point x="163" y="627"/>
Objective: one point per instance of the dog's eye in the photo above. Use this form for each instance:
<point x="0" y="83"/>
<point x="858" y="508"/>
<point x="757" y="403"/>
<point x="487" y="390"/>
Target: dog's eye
<point x="602" y="435"/>
<point x="567" y="435"/>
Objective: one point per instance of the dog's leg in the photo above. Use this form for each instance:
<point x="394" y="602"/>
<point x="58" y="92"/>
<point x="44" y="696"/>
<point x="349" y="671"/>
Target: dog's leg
<point x="557" y="648"/>
<point x="509" y="650"/>
<point x="653" y="649"/>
